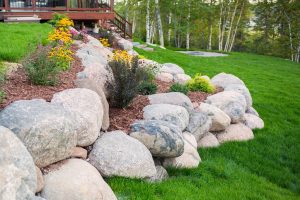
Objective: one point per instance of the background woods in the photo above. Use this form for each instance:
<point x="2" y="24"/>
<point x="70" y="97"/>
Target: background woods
<point x="264" y="26"/>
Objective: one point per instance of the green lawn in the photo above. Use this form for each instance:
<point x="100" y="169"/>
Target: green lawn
<point x="19" y="39"/>
<point x="267" y="167"/>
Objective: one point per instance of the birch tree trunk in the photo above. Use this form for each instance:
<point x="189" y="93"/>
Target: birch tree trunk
<point x="226" y="17"/>
<point x="159" y="24"/>
<point x="220" y="25"/>
<point x="148" y="22"/>
<point x="169" y="30"/>
<point x="210" y="28"/>
<point x="230" y="27"/>
<point x="188" y="26"/>
<point x="236" y="27"/>
<point x="290" y="36"/>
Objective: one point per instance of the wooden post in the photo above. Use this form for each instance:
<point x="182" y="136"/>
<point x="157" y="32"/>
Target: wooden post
<point x="111" y="5"/>
<point x="6" y="5"/>
<point x="33" y="4"/>
<point x="67" y="5"/>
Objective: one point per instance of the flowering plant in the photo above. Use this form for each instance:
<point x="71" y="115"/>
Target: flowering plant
<point x="122" y="56"/>
<point x="104" y="42"/>
<point x="65" y="23"/>
<point x="60" y="34"/>
<point x="62" y="55"/>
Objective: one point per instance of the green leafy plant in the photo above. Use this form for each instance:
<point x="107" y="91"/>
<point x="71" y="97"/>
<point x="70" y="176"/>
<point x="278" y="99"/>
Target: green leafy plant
<point x="127" y="78"/>
<point x="2" y="80"/>
<point x="147" y="88"/>
<point x="176" y="87"/>
<point x="199" y="83"/>
<point x="40" y="68"/>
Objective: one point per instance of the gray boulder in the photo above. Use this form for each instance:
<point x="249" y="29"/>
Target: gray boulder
<point x="48" y="131"/>
<point x="39" y="180"/>
<point x="174" y="98"/>
<point x="161" y="138"/>
<point x="17" y="170"/>
<point x="220" y="120"/>
<point x="171" y="68"/>
<point x="199" y="124"/>
<point x="235" y="132"/>
<point x="75" y="179"/>
<point x="87" y="108"/>
<point x="91" y="85"/>
<point x="231" y="102"/>
<point x="252" y="111"/>
<point x="161" y="174"/>
<point x="190" y="157"/>
<point x="208" y="140"/>
<point x="242" y="89"/>
<point x="181" y="78"/>
<point x="223" y="80"/>
<point x="164" y="77"/>
<point x="174" y="114"/>
<point x="117" y="154"/>
<point x="253" y="122"/>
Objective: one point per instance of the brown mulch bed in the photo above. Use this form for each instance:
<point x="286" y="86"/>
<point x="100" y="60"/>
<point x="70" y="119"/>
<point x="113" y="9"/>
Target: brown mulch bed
<point x="18" y="87"/>
<point x="121" y="119"/>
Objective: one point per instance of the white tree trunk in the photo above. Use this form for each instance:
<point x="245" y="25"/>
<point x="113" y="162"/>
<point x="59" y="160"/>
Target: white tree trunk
<point x="148" y="27"/>
<point x="290" y="36"/>
<point x="236" y="27"/>
<point x="188" y="26"/>
<point x="220" y="25"/>
<point x="226" y="17"/>
<point x="230" y="27"/>
<point x="159" y="24"/>
<point x="134" y="22"/>
<point x="170" y="30"/>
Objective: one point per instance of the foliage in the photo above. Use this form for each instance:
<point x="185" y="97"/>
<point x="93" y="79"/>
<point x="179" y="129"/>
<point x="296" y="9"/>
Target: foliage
<point x="267" y="167"/>
<point x="176" y="87"/>
<point x="104" y="42"/>
<point x="122" y="55"/>
<point x="2" y="80"/>
<point x="198" y="83"/>
<point x="147" y="88"/>
<point x="127" y="78"/>
<point x="60" y="35"/>
<point x="40" y="68"/>
<point x="62" y="56"/>
<point x="17" y="40"/>
<point x="56" y="17"/>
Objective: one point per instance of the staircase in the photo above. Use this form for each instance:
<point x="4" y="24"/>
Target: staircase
<point x="121" y="26"/>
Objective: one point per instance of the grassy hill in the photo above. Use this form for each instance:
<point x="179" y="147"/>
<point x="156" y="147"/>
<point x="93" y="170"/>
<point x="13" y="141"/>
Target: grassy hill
<point x="267" y="167"/>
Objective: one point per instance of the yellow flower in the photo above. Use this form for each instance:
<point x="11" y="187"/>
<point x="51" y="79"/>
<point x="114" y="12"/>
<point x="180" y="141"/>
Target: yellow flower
<point x="65" y="22"/>
<point x="104" y="42"/>
<point x="122" y="56"/>
<point x="60" y="35"/>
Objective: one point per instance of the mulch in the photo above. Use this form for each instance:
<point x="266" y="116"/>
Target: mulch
<point x="18" y="87"/>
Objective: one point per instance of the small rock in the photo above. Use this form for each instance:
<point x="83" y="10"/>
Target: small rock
<point x="161" y="174"/>
<point x="235" y="132"/>
<point x="79" y="152"/>
<point x="220" y="120"/>
<point x="253" y="122"/>
<point x="252" y="111"/>
<point x="117" y="154"/>
<point x="181" y="78"/>
<point x="223" y="80"/>
<point x="76" y="179"/>
<point x="174" y="98"/>
<point x="164" y="77"/>
<point x="171" y="68"/>
<point x="160" y="137"/>
<point x="174" y="114"/>
<point x="190" y="157"/>
<point x="148" y="49"/>
<point x="208" y="140"/>
<point x="40" y="180"/>
<point x="199" y="124"/>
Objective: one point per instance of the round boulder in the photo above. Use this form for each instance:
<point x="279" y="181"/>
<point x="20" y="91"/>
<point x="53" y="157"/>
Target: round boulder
<point x="164" y="77"/>
<point x="161" y="174"/>
<point x="17" y="170"/>
<point x="190" y="157"/>
<point x="86" y="105"/>
<point x="223" y="80"/>
<point x="235" y="132"/>
<point x="243" y="90"/>
<point x="181" y="78"/>
<point x="208" y="140"/>
<point x="220" y="120"/>
<point x="199" y="124"/>
<point x="75" y="179"/>
<point x="117" y="154"/>
<point x="173" y="114"/>
<point x="160" y="137"/>
<point x="171" y="68"/>
<point x="253" y="122"/>
<point x="252" y="111"/>
<point x="48" y="131"/>
<point x="231" y="102"/>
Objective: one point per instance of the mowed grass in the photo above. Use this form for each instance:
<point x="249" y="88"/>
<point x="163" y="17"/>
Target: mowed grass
<point x="16" y="40"/>
<point x="267" y="167"/>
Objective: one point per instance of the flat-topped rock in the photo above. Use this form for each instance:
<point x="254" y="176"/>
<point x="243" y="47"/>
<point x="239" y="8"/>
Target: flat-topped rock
<point x="223" y="80"/>
<point x="171" y="68"/>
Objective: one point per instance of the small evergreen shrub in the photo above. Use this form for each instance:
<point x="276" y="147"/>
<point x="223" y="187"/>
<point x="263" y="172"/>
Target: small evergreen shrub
<point x="127" y="78"/>
<point x="147" y="88"/>
<point x="40" y="68"/>
<point x="176" y="87"/>
<point x="199" y="83"/>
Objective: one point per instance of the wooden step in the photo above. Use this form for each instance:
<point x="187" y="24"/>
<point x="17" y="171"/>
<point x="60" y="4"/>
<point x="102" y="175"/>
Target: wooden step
<point x="27" y="19"/>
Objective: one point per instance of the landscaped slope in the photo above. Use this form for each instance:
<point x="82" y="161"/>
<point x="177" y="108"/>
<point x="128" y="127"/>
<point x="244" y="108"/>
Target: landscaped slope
<point x="267" y="167"/>
<point x="18" y="39"/>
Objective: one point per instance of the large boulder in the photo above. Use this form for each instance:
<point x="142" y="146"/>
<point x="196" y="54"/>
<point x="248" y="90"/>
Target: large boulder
<point x="231" y="102"/>
<point x="86" y="106"/>
<point x="199" y="124"/>
<point x="190" y="157"/>
<point x="235" y="132"/>
<point x="174" y="98"/>
<point x="75" y="179"/>
<point x="160" y="137"/>
<point x="117" y="154"/>
<point x="181" y="78"/>
<point x="173" y="114"/>
<point x="91" y="85"/>
<point x="253" y="121"/>
<point x="17" y="170"/>
<point x="223" y="80"/>
<point x="164" y="77"/>
<point x="220" y="120"/>
<point x="171" y="68"/>
<point x="47" y="130"/>
<point x="208" y="140"/>
<point x="39" y="180"/>
<point x="243" y="90"/>
<point x="161" y="174"/>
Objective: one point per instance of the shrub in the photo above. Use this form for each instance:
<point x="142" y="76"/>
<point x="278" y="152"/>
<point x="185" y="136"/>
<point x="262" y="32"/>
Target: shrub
<point x="127" y="78"/>
<point x="104" y="42"/>
<point x="40" y="68"/>
<point x="2" y="80"/>
<point x="56" y="18"/>
<point x="176" y="87"/>
<point x="147" y="88"/>
<point x="199" y="83"/>
<point x="62" y="56"/>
